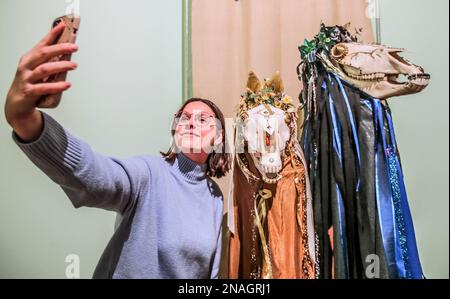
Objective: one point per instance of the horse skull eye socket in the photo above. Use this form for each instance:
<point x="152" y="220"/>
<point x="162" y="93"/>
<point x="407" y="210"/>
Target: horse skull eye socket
<point x="339" y="51"/>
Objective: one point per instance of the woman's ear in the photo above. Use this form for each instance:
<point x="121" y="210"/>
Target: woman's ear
<point x="219" y="138"/>
<point x="218" y="141"/>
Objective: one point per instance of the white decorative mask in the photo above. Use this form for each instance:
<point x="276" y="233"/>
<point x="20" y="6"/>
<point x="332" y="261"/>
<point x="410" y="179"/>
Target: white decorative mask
<point x="263" y="112"/>
<point x="266" y="133"/>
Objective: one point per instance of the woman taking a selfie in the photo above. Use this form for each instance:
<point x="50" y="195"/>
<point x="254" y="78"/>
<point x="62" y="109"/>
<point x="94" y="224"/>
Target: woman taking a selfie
<point x="171" y="208"/>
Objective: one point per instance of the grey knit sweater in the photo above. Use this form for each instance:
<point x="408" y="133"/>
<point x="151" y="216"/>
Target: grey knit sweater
<point x="172" y="212"/>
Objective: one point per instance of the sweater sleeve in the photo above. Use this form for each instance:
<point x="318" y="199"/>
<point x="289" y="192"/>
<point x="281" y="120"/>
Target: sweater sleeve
<point x="89" y="179"/>
<point x="217" y="259"/>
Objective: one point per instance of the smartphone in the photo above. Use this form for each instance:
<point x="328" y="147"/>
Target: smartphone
<point x="69" y="35"/>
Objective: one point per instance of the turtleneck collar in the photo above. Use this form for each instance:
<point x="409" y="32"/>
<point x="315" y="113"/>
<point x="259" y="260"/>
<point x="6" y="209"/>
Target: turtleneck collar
<point x="191" y="171"/>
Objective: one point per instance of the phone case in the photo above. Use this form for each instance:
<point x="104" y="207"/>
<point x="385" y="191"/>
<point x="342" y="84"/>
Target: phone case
<point x="69" y="35"/>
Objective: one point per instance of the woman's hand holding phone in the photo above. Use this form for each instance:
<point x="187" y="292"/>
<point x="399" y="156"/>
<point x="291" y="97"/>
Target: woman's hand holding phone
<point x="29" y="85"/>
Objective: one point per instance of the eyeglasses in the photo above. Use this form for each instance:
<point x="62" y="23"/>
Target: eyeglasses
<point x="200" y="119"/>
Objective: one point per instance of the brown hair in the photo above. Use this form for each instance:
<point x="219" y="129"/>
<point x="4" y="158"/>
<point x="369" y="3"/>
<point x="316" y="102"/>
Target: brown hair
<point x="218" y="162"/>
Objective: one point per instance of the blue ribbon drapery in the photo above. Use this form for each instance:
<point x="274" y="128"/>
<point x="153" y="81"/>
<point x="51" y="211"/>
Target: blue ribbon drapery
<point x="337" y="146"/>
<point x="395" y="221"/>
<point x="395" y="218"/>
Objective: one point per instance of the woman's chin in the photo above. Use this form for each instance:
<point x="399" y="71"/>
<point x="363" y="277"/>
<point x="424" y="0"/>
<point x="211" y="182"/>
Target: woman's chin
<point x="191" y="150"/>
<point x="192" y="147"/>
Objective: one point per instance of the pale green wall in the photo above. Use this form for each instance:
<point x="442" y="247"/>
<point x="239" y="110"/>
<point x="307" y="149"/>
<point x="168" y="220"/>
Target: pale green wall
<point x="125" y="91"/>
<point x="421" y="122"/>
<point x="119" y="114"/>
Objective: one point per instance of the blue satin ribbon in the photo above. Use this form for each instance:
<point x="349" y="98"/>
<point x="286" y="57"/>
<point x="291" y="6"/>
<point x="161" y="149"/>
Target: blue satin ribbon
<point x="383" y="193"/>
<point x="401" y="254"/>
<point x="354" y="130"/>
<point x="337" y="146"/>
<point x="395" y="216"/>
<point x="408" y="245"/>
<point x="337" y="130"/>
<point x="342" y="231"/>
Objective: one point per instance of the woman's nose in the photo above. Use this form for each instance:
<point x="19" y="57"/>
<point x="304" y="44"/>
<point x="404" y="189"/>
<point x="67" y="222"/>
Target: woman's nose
<point x="191" y="123"/>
